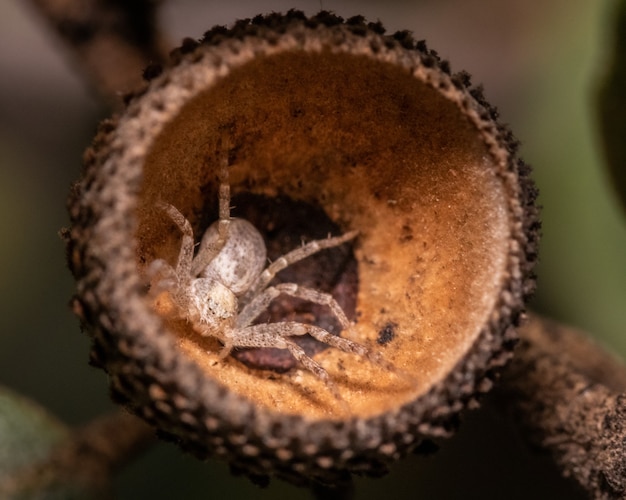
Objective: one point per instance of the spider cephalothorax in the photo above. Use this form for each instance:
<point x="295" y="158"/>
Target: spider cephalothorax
<point x="224" y="288"/>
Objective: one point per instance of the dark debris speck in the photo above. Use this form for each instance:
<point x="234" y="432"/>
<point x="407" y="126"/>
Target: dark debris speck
<point x="386" y="333"/>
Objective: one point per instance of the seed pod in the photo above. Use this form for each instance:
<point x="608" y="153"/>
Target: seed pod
<point x="332" y="127"/>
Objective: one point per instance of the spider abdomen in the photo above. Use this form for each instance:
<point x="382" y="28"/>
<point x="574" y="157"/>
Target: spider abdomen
<point x="242" y="258"/>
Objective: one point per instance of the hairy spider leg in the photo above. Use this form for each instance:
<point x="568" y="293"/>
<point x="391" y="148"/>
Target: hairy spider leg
<point x="291" y="258"/>
<point x="161" y="276"/>
<point x="275" y="335"/>
<point x="349" y="346"/>
<point x="262" y="301"/>
<point x="185" y="255"/>
<point x="208" y="253"/>
<point x="317" y="370"/>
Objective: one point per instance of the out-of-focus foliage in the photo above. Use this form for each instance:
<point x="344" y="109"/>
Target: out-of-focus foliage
<point x="27" y="433"/>
<point x="612" y="104"/>
<point x="582" y="271"/>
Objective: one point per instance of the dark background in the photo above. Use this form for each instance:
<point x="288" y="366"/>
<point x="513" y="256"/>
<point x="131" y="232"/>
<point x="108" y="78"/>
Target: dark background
<point x="540" y="62"/>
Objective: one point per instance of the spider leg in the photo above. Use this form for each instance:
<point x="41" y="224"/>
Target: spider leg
<point x="185" y="256"/>
<point x="163" y="283"/>
<point x="316" y="369"/>
<point x="274" y="335"/>
<point x="226" y="350"/>
<point x="349" y="346"/>
<point x="207" y="253"/>
<point x="161" y="276"/>
<point x="262" y="301"/>
<point x="291" y="258"/>
<point x="352" y="347"/>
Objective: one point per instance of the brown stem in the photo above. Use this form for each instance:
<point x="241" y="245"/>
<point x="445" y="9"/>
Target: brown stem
<point x="88" y="458"/>
<point x="104" y="445"/>
<point x="112" y="39"/>
<point x="569" y="394"/>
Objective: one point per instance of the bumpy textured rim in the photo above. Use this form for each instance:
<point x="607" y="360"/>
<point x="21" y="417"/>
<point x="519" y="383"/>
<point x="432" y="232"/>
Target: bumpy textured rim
<point x="155" y="381"/>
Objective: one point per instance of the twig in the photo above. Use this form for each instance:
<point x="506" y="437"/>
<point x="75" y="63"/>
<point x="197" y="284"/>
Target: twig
<point x="569" y="393"/>
<point x="88" y="458"/>
<point x="113" y="40"/>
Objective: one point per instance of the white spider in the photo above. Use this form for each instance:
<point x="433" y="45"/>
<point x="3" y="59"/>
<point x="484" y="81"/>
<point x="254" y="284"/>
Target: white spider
<point x="225" y="287"/>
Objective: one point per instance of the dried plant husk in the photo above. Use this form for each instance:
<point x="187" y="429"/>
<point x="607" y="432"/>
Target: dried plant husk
<point x="374" y="133"/>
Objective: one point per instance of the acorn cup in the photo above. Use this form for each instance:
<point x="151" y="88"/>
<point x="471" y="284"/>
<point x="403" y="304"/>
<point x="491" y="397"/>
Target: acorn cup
<point x="325" y="126"/>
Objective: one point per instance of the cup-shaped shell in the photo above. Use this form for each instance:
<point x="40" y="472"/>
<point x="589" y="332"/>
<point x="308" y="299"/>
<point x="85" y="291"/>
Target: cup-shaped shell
<point x="332" y="126"/>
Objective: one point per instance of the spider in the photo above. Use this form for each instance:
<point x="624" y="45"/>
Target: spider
<point x="226" y="286"/>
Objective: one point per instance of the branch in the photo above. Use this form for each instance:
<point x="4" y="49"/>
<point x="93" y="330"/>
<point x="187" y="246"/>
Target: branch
<point x="88" y="458"/>
<point x="569" y="394"/>
<point x="112" y="39"/>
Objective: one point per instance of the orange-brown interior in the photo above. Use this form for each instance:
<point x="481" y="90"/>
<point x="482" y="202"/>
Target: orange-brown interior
<point x="381" y="152"/>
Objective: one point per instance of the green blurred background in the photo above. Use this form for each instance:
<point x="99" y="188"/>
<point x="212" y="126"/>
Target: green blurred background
<point x="540" y="62"/>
